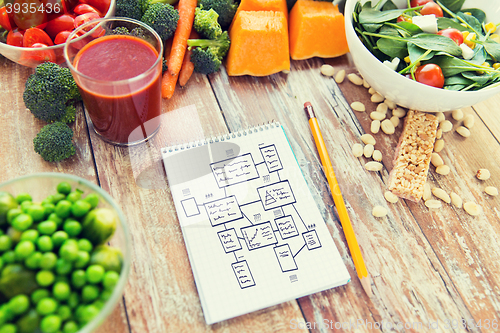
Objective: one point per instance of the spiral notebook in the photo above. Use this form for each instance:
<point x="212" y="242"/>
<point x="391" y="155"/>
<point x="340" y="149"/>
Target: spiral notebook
<point x="253" y="232"/>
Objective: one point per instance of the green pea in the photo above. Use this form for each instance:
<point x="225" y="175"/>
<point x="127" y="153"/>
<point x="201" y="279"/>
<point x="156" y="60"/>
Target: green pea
<point x="74" y="196"/>
<point x="72" y="227"/>
<point x="88" y="313"/>
<point x="19" y="304"/>
<point x="59" y="237"/>
<point x="46" y="306"/>
<point x="9" y="257"/>
<point x="29" y="322"/>
<point x="49" y="208"/>
<point x="48" y="261"/>
<point x="61" y="291"/>
<point x="106" y="295"/>
<point x="69" y="250"/>
<point x="58" y="197"/>
<point x="78" y="278"/>
<point x="24" y="249"/>
<point x="92" y="199"/>
<point x="14" y="234"/>
<point x="50" y="324"/>
<point x="44" y="243"/>
<point x="12" y="213"/>
<point x="73" y="300"/>
<point x="22" y="222"/>
<point x="80" y="208"/>
<point x="39" y="294"/>
<point x="21" y="197"/>
<point x="33" y="261"/>
<point x="45" y="278"/>
<point x="47" y="227"/>
<point x="48" y="200"/>
<point x="63" y="208"/>
<point x="98" y="303"/>
<point x="85" y="245"/>
<point x="30" y="234"/>
<point x="90" y="293"/>
<point x="1" y="263"/>
<point x="82" y="260"/>
<point x="110" y="279"/>
<point x="94" y="273"/>
<point x="64" y="188"/>
<point x="36" y="211"/>
<point x="63" y="267"/>
<point x="6" y="314"/>
<point x="64" y="312"/>
<point x="8" y="328"/>
<point x="70" y="327"/>
<point x="25" y="205"/>
<point x="61" y="278"/>
<point x="5" y="243"/>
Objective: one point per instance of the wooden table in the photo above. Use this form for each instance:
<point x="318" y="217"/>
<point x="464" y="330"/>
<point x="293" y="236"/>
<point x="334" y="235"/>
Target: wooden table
<point x="431" y="269"/>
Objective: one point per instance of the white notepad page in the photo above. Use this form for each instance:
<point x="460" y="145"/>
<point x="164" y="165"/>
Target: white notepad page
<point x="253" y="232"/>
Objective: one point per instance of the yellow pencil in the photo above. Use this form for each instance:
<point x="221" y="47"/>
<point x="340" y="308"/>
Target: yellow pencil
<point x="352" y="242"/>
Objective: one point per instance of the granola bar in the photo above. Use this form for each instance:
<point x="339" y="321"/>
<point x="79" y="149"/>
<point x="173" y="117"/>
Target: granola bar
<point x="413" y="155"/>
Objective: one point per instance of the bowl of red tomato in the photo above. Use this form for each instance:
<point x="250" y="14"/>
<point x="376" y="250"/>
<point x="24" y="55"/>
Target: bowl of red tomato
<point x="427" y="55"/>
<point x="34" y="31"/>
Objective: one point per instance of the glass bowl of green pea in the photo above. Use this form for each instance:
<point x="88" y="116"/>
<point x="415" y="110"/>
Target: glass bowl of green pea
<point x="64" y="254"/>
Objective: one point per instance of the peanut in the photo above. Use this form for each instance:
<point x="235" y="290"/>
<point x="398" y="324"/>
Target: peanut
<point x="339" y="78"/>
<point x="491" y="190"/>
<point x="377" y="155"/>
<point x="377" y="115"/>
<point x="368" y="150"/>
<point x="443" y="170"/>
<point x="357" y="150"/>
<point x="427" y="192"/>
<point x="468" y="121"/>
<point x="382" y="108"/>
<point x="372" y="91"/>
<point x="456" y="200"/>
<point x="472" y="208"/>
<point x="439" y="133"/>
<point x="457" y="114"/>
<point x="373" y="166"/>
<point x="379" y="211"/>
<point x="391" y="197"/>
<point x="438" y="145"/>
<point x="354" y="78"/>
<point x="399" y="112"/>
<point x="441" y="194"/>
<point x="375" y="126"/>
<point x="436" y="160"/>
<point x="432" y="203"/>
<point x="390" y="104"/>
<point x="368" y="139"/>
<point x="358" y="106"/>
<point x="446" y="126"/>
<point x="377" y="98"/>
<point x="440" y="116"/>
<point x="463" y="131"/>
<point x="366" y="84"/>
<point x="395" y="121"/>
<point x="387" y="127"/>
<point x="327" y="70"/>
<point x="483" y="174"/>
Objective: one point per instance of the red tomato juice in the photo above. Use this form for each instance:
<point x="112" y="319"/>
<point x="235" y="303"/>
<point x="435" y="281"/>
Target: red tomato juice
<point x="120" y="92"/>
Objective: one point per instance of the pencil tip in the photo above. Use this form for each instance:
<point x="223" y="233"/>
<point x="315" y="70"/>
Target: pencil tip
<point x="367" y="286"/>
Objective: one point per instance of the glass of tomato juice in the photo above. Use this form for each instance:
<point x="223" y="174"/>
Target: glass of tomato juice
<point x="117" y="65"/>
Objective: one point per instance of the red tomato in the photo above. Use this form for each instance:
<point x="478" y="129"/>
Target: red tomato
<point x="35" y="35"/>
<point x="61" y="37"/>
<point x="31" y="13"/>
<point x="65" y="22"/>
<point x="454" y="34"/>
<point x="4" y="19"/>
<point x="15" y="38"/>
<point x="32" y="58"/>
<point x="416" y="3"/>
<point x="84" y="18"/>
<point x="431" y="75"/>
<point x="432" y="8"/>
<point x="84" y="8"/>
<point x="101" y="5"/>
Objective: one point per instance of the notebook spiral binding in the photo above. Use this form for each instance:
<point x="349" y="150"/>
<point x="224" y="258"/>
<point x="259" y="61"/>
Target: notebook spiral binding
<point x="221" y="137"/>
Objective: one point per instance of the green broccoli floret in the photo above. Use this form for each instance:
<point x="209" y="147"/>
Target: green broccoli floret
<point x="54" y="142"/>
<point x="50" y="93"/>
<point x="206" y="24"/>
<point x="207" y="54"/>
<point x="129" y="8"/>
<point x="162" y="18"/>
<point x="225" y="8"/>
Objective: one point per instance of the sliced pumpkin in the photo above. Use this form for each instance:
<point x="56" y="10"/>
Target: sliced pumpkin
<point x="316" y="30"/>
<point x="258" y="5"/>
<point x="259" y="44"/>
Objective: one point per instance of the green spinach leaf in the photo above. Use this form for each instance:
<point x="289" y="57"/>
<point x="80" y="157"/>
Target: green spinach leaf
<point x="477" y="13"/>
<point x="453" y="5"/>
<point x="413" y="29"/>
<point x="389" y="5"/>
<point x="493" y="49"/>
<point x="446" y="22"/>
<point x="473" y="22"/>
<point x="393" y="48"/>
<point x="436" y="43"/>
<point x="416" y="53"/>
<point x="371" y="15"/>
<point x="452" y="66"/>
<point x="481" y="79"/>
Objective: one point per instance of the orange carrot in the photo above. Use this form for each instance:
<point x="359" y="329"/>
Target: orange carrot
<point x="187" y="68"/>
<point x="179" y="45"/>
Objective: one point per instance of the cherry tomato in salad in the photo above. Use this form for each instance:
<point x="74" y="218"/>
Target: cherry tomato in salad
<point x="84" y="18"/>
<point x="15" y="38"/>
<point x="431" y="75"/>
<point x="416" y="3"/>
<point x="101" y="5"/>
<point x="61" y="37"/>
<point x="65" y="22"/>
<point x="32" y="57"/>
<point x="4" y="19"/>
<point x="432" y="8"/>
<point x="454" y="34"/>
<point x="35" y="35"/>
<point x="33" y="16"/>
<point x="85" y="8"/>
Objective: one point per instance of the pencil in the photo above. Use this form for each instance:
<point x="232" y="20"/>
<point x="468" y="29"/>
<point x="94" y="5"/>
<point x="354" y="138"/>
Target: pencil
<point x="352" y="242"/>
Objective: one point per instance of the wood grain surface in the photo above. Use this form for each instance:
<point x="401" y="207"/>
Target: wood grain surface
<point x="432" y="270"/>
